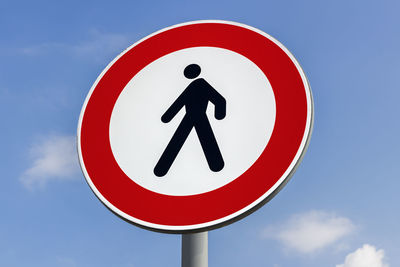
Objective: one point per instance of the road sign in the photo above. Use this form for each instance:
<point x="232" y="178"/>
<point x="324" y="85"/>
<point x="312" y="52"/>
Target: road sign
<point x="195" y="126"/>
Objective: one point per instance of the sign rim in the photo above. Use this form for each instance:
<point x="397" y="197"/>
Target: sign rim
<point x="239" y="214"/>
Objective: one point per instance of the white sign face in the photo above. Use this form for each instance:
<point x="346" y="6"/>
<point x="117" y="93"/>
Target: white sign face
<point x="195" y="126"/>
<point x="241" y="136"/>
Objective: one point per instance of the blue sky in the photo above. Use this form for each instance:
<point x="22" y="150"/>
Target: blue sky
<point x="340" y="208"/>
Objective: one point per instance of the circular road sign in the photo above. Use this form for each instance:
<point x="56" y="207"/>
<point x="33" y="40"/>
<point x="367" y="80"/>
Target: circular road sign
<point x="195" y="126"/>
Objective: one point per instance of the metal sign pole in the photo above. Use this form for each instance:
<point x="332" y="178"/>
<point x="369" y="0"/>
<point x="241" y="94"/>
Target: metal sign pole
<point x="195" y="250"/>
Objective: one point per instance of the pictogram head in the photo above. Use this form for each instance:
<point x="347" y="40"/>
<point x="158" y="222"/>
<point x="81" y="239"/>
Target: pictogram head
<point x="192" y="71"/>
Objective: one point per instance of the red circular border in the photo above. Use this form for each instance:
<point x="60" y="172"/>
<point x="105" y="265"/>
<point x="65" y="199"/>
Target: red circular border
<point x="165" y="210"/>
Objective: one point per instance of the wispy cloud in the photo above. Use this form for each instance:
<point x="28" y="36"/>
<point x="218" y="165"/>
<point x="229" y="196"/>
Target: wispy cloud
<point x="310" y="231"/>
<point x="98" y="46"/>
<point x="366" y="256"/>
<point x="66" y="262"/>
<point x="53" y="158"/>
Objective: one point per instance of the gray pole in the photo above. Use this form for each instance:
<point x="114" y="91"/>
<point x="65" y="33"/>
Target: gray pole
<point x="195" y="250"/>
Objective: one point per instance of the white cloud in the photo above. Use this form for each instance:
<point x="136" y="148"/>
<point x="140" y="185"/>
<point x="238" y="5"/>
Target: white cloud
<point x="366" y="256"/>
<point x="39" y="49"/>
<point x="66" y="262"/>
<point x="310" y="231"/>
<point x="98" y="46"/>
<point x="102" y="43"/>
<point x="54" y="158"/>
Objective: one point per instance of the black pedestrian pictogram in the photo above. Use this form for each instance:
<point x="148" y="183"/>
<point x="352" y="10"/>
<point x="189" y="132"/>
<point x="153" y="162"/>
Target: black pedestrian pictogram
<point x="195" y="99"/>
